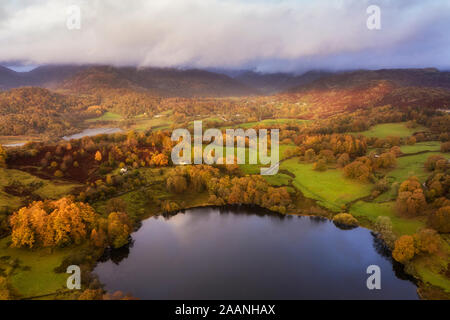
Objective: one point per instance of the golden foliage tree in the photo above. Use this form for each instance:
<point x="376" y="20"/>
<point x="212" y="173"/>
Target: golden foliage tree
<point x="426" y="241"/>
<point x="119" y="229"/>
<point x="411" y="199"/>
<point x="404" y="249"/>
<point x="357" y="170"/>
<point x="440" y="220"/>
<point x="159" y="160"/>
<point x="98" y="156"/>
<point x="52" y="223"/>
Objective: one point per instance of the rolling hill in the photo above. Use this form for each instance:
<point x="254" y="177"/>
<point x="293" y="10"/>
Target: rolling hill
<point x="271" y="83"/>
<point x="428" y="77"/>
<point x="157" y="81"/>
<point x="397" y="87"/>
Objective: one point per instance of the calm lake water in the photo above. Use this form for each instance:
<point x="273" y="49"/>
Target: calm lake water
<point x="211" y="253"/>
<point x="12" y="145"/>
<point x="92" y="132"/>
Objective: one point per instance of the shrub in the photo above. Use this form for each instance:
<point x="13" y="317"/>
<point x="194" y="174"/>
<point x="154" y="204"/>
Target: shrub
<point x="58" y="174"/>
<point x="345" y="219"/>
<point x="320" y="165"/>
<point x="383" y="226"/>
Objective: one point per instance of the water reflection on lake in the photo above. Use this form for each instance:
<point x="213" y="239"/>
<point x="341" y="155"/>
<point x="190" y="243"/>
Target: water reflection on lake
<point x="92" y="132"/>
<point x="211" y="253"/>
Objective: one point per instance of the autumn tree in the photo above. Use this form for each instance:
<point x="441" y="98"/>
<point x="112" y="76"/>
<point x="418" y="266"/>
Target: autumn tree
<point x="426" y="241"/>
<point x="91" y="294"/>
<point x="386" y="160"/>
<point x="357" y="170"/>
<point x="411" y="199"/>
<point x="343" y="160"/>
<point x="404" y="249"/>
<point x="119" y="229"/>
<point x="310" y="155"/>
<point x="440" y="219"/>
<point x="435" y="162"/>
<point x="176" y="184"/>
<point x="445" y="146"/>
<point x="169" y="206"/>
<point x="327" y="155"/>
<point x="159" y="160"/>
<point x="98" y="156"/>
<point x="70" y="222"/>
<point x="98" y="238"/>
<point x="320" y="165"/>
<point x="116" y="205"/>
<point x="52" y="223"/>
<point x="29" y="225"/>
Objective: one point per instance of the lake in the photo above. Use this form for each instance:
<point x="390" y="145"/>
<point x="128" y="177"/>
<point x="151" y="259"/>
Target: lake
<point x="229" y="253"/>
<point x="12" y="145"/>
<point x="92" y="132"/>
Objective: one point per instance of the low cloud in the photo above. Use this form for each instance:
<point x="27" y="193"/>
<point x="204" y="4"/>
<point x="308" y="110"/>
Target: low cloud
<point x="266" y="35"/>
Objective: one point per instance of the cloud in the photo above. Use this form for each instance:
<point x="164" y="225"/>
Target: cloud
<point x="267" y="35"/>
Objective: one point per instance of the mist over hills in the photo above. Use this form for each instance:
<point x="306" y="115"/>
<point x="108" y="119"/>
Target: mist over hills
<point x="172" y="82"/>
<point x="271" y="83"/>
<point x="427" y="77"/>
<point x="158" y="81"/>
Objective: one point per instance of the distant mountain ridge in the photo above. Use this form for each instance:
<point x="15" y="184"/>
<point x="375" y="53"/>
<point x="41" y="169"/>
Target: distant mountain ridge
<point x="159" y="81"/>
<point x="428" y="77"/>
<point x="270" y="83"/>
<point x="365" y="88"/>
<point x="201" y="83"/>
<point x="44" y="76"/>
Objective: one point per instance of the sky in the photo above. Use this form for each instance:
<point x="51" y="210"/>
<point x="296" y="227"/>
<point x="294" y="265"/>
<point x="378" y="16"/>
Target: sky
<point x="262" y="35"/>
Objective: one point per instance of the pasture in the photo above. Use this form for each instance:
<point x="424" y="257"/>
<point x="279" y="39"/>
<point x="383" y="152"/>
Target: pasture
<point x="330" y="188"/>
<point x="385" y="130"/>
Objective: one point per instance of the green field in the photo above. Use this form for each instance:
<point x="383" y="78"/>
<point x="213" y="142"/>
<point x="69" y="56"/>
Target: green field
<point x="278" y="180"/>
<point x="107" y="116"/>
<point x="391" y="130"/>
<point x="35" y="273"/>
<point x="330" y="188"/>
<point x="140" y="122"/>
<point x="143" y="124"/>
<point x="270" y="122"/>
<point x="429" y="268"/>
<point x="370" y="211"/>
<point x="408" y="166"/>
<point x="421" y="146"/>
<point x="49" y="189"/>
<point x="411" y="166"/>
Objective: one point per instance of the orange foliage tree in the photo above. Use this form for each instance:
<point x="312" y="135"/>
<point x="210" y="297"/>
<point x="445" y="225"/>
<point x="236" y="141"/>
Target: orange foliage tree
<point x="52" y="223"/>
<point x="98" y="156"/>
<point x="411" y="199"/>
<point x="404" y="249"/>
<point x="440" y="220"/>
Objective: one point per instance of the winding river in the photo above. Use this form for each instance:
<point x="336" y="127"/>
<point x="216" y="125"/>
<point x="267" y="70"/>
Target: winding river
<point x="228" y="253"/>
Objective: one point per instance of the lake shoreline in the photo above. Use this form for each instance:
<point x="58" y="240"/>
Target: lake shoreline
<point x="249" y="211"/>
